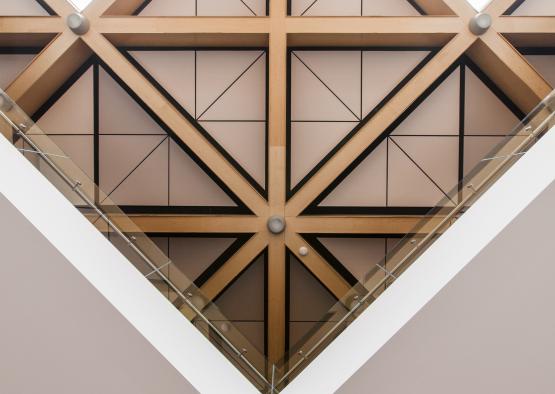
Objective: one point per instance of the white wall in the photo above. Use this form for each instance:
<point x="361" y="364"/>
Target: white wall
<point x="77" y="317"/>
<point x="490" y="330"/>
<point x="498" y="320"/>
<point x="59" y="334"/>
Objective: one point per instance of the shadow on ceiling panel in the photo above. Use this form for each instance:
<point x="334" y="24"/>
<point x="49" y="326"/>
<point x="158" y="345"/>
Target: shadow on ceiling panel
<point x="243" y="303"/>
<point x="23" y="8"/>
<point x="311" y="306"/>
<point x="353" y="8"/>
<point x="203" y="8"/>
<point x="533" y="8"/>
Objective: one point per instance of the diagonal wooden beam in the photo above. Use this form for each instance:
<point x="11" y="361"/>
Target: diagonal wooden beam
<point x="434" y="7"/>
<point x="461" y="8"/>
<point x="49" y="70"/>
<point x="176" y="121"/>
<point x="112" y="7"/>
<point x="369" y="132"/>
<point x="316" y="264"/>
<point x="61" y="7"/>
<point x="498" y="7"/>
<point x="234" y="266"/>
<point x="509" y="70"/>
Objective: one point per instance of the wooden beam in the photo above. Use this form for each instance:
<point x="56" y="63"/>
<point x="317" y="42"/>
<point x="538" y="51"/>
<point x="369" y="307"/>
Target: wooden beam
<point x="391" y="111"/>
<point x="182" y="25"/>
<point x="234" y="266"/>
<point x="316" y="264"/>
<point x="185" y="31"/>
<point x="188" y="40"/>
<point x="61" y="7"/>
<point x="48" y="71"/>
<point x="375" y="25"/>
<point x="14" y="40"/>
<point x="276" y="299"/>
<point x="462" y="8"/>
<point x="97" y="8"/>
<point x="371" y="31"/>
<point x="498" y="7"/>
<point x="353" y="225"/>
<point x="434" y="7"/>
<point x="527" y="31"/>
<point x="30" y="25"/>
<point x="277" y="140"/>
<point x="525" y="24"/>
<point x="123" y="7"/>
<point x="182" y="224"/>
<point x="509" y="70"/>
<point x="369" y="40"/>
<point x="176" y="121"/>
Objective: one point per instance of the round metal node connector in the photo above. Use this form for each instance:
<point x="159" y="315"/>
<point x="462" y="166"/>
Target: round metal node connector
<point x="78" y="23"/>
<point x="276" y="224"/>
<point x="480" y="23"/>
<point x="5" y="103"/>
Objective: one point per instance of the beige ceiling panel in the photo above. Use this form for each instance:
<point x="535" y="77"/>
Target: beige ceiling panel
<point x="174" y="71"/>
<point x="485" y="113"/>
<point x="311" y="142"/>
<point x="366" y="185"/>
<point x="73" y="112"/>
<point x="190" y="185"/>
<point x="439" y="113"/>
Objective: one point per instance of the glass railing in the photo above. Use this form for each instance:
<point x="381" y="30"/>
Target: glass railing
<point x="122" y="232"/>
<point x="408" y="249"/>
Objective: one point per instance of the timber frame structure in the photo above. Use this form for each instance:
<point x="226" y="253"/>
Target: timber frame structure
<point x="112" y="25"/>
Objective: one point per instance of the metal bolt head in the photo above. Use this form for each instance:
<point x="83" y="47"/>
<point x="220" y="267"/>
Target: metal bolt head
<point x="480" y="23"/>
<point x="78" y="23"/>
<point x="5" y="103"/>
<point x="303" y="251"/>
<point x="276" y="224"/>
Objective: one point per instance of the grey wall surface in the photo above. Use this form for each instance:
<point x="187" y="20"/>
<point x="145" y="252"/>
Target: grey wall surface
<point x="490" y="330"/>
<point x="58" y="334"/>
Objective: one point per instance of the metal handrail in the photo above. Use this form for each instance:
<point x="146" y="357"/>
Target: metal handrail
<point x="456" y="210"/>
<point x="75" y="186"/>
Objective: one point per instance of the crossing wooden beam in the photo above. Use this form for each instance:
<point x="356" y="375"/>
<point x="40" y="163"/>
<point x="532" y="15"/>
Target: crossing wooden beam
<point x="509" y="70"/>
<point x="48" y="71"/>
<point x="233" y="267"/>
